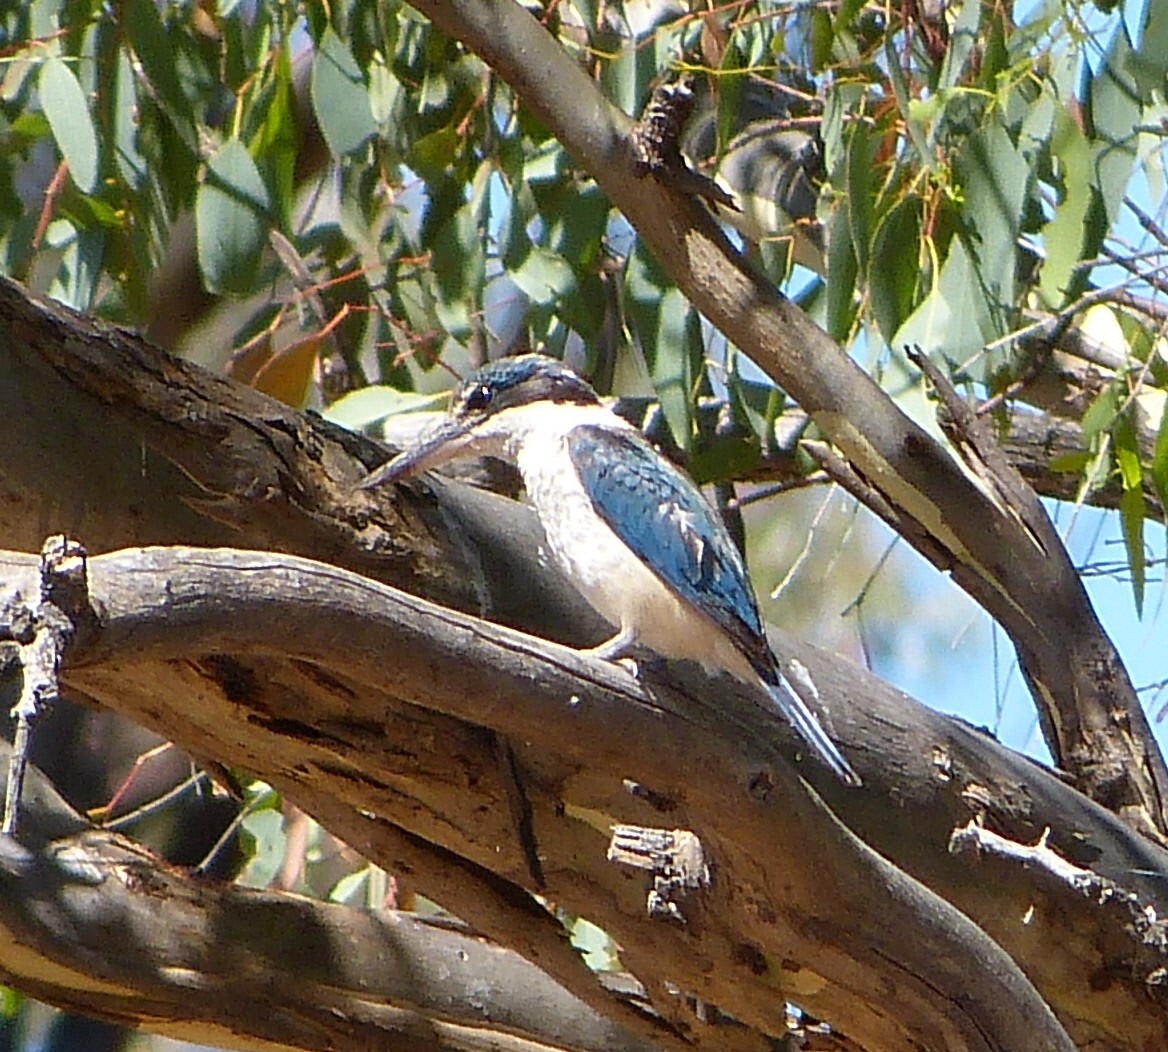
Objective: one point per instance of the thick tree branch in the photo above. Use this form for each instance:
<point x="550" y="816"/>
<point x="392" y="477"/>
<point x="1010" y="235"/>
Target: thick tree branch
<point x="336" y="976"/>
<point x="1095" y="726"/>
<point x="1033" y="441"/>
<point x="215" y="621"/>
<point x="269" y="625"/>
<point x="925" y="775"/>
<point x="383" y="715"/>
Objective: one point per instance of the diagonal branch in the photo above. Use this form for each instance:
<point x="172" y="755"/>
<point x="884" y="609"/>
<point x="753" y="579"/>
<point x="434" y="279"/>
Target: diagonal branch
<point x="831" y="894"/>
<point x="987" y="546"/>
<point x="257" y="474"/>
<point x="333" y="976"/>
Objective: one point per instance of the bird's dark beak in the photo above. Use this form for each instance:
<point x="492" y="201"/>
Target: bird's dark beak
<point x="444" y="443"/>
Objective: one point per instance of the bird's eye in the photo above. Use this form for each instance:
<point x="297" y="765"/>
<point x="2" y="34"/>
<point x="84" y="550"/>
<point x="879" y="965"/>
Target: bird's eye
<point x="478" y="398"/>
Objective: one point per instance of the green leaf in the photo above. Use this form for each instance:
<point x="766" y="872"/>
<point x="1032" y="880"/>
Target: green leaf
<point x="263" y="836"/>
<point x="1070" y="463"/>
<point x="1101" y="413"/>
<point x="755" y="405"/>
<point x="11" y="1003"/>
<point x="1160" y="462"/>
<point x="152" y="44"/>
<point x="600" y="953"/>
<point x="362" y="409"/>
<point x="963" y="36"/>
<point x="842" y="271"/>
<point x="669" y="331"/>
<point x="67" y="111"/>
<point x="820" y="38"/>
<point x="895" y="268"/>
<point x="430" y="155"/>
<point x="547" y="163"/>
<point x="231" y="220"/>
<point x="903" y="96"/>
<point x="953" y="319"/>
<point x="127" y="157"/>
<point x="1127" y="452"/>
<point x="26" y="129"/>
<point x="80" y="269"/>
<point x="722" y="457"/>
<point x="1131" y="511"/>
<point x="513" y="242"/>
<point x="996" y="177"/>
<point x="730" y="89"/>
<point x="843" y="101"/>
<point x="413" y="301"/>
<point x="995" y="54"/>
<point x="848" y="10"/>
<point x="676" y="364"/>
<point x="589" y="12"/>
<point x="384" y="89"/>
<point x="460" y="259"/>
<point x="544" y="277"/>
<point x="577" y="222"/>
<point x="626" y="78"/>
<point x="1149" y="65"/>
<point x="1131" y="503"/>
<point x="860" y="194"/>
<point x="1113" y="106"/>
<point x="350" y="889"/>
<point x="340" y="99"/>
<point x="274" y="138"/>
<point x="1065" y="235"/>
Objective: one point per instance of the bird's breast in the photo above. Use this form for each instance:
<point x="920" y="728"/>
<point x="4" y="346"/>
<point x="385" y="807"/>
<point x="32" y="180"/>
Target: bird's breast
<point x="610" y="576"/>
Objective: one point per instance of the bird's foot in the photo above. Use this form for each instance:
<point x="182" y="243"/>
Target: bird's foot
<point x="630" y="665"/>
<point x="616" y="648"/>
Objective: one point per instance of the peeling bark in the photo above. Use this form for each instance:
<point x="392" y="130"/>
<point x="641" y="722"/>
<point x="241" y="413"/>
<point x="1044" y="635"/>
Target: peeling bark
<point x="380" y="713"/>
<point x="1089" y="711"/>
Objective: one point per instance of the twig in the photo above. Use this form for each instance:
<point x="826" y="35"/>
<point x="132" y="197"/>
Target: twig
<point x="63" y="605"/>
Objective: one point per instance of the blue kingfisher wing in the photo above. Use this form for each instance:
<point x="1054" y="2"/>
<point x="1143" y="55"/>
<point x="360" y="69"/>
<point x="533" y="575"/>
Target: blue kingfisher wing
<point x="660" y="514"/>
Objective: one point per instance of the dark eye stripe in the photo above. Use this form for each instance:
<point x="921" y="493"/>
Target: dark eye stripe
<point x="479" y="397"/>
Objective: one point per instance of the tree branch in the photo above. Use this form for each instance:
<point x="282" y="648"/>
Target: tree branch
<point x="335" y="976"/>
<point x="613" y="713"/>
<point x="925" y="775"/>
<point x="1094" y="724"/>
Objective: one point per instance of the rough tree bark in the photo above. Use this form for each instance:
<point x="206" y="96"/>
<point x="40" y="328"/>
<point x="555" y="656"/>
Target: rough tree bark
<point x="378" y="713"/>
<point x="920" y="912"/>
<point x="969" y="518"/>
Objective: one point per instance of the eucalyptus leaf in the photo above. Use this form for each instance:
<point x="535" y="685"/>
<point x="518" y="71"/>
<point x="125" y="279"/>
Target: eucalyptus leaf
<point x="1131" y="514"/>
<point x="1159" y="466"/>
<point x="1066" y="235"/>
<point x="231" y="219"/>
<point x="995" y="177"/>
<point x="128" y="158"/>
<point x="895" y="267"/>
<point x="842" y="271"/>
<point x="340" y="99"/>
<point x="860" y="194"/>
<point x="360" y="410"/>
<point x="67" y="111"/>
<point x="670" y="334"/>
<point x="1114" y="109"/>
<point x="544" y="276"/>
<point x="152" y="44"/>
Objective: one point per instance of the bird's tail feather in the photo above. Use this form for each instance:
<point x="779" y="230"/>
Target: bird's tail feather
<point x="805" y="722"/>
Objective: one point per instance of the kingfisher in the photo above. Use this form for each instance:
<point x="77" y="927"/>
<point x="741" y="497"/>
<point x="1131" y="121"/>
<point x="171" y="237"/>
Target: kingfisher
<point x="629" y="529"/>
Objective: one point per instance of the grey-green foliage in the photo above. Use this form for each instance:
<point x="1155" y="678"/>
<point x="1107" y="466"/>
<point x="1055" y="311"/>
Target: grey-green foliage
<point x="974" y="171"/>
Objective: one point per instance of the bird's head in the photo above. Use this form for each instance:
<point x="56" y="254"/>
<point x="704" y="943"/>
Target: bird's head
<point x="483" y="413"/>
